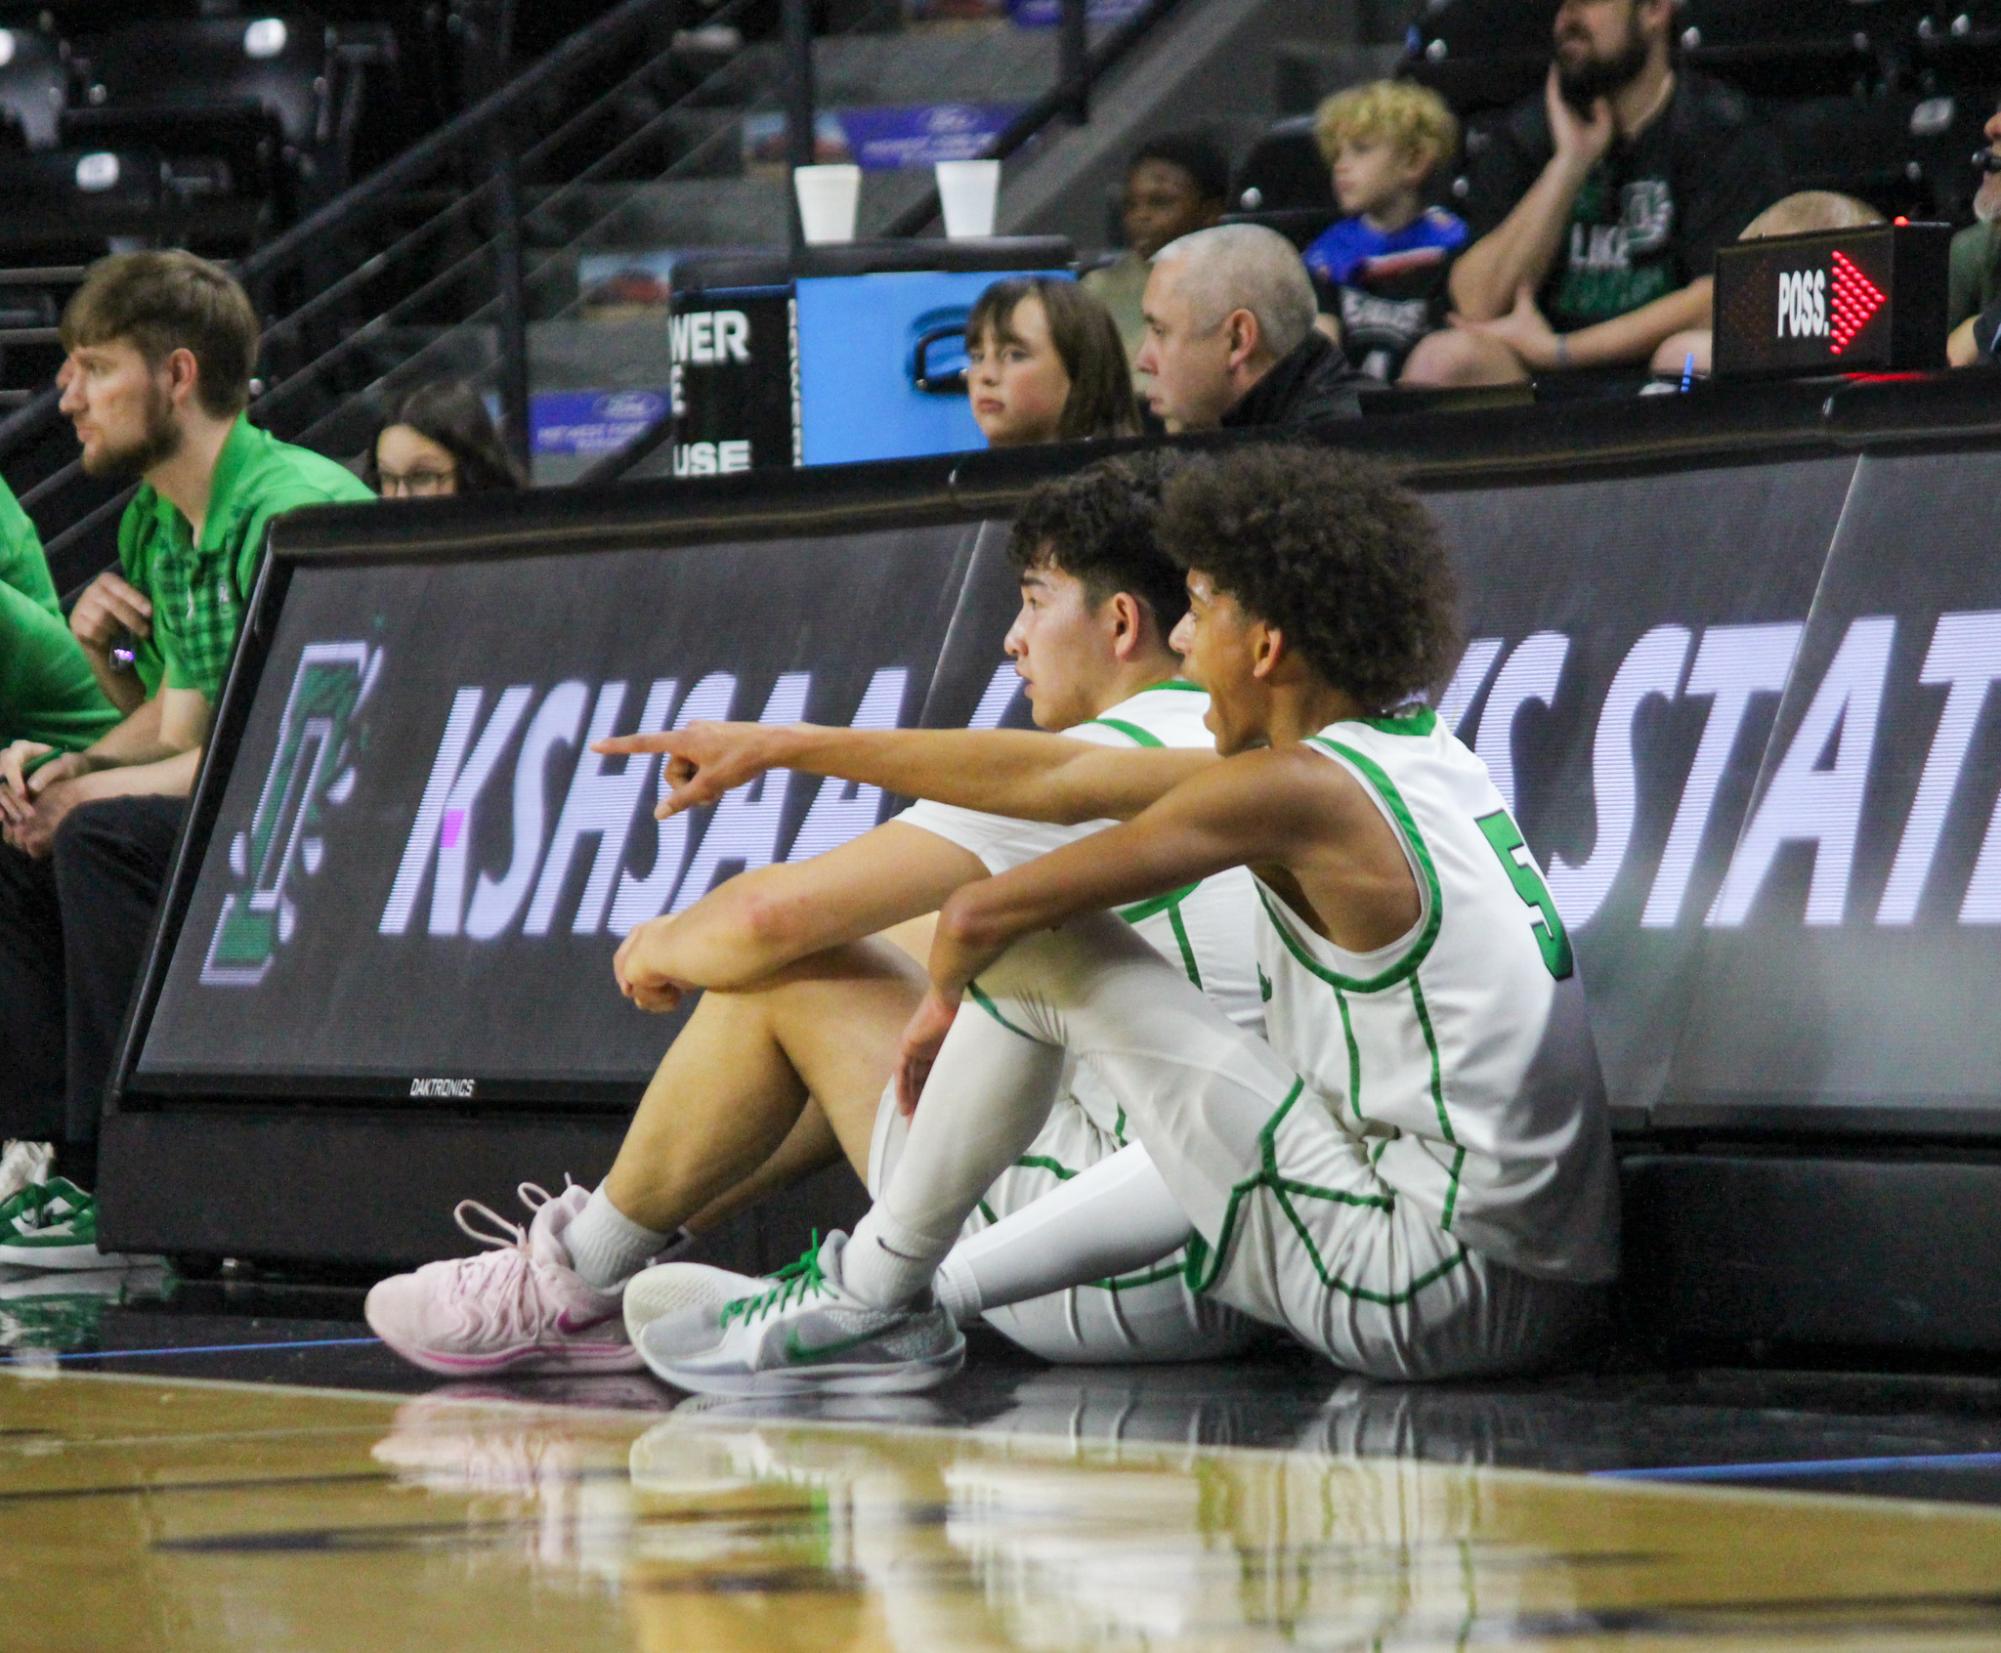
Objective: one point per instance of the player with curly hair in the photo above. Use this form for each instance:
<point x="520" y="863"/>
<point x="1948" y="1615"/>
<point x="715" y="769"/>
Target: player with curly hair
<point x="808" y="971"/>
<point x="1412" y="1173"/>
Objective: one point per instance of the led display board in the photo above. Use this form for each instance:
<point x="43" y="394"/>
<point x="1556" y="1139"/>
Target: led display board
<point x="1835" y="301"/>
<point x="1740" y="712"/>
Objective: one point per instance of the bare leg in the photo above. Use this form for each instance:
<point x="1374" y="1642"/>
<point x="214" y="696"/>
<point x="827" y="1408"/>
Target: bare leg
<point x="1453" y="356"/>
<point x="735" y="1084"/>
<point x="810" y="1146"/>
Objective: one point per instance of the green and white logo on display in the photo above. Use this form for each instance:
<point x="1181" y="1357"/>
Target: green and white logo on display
<point x="312" y="769"/>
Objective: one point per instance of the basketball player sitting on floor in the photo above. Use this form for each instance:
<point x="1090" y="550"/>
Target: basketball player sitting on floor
<point x="786" y="1060"/>
<point x="1414" y="1176"/>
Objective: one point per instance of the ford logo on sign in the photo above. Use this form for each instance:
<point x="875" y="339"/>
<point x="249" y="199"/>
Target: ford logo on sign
<point x="631" y="407"/>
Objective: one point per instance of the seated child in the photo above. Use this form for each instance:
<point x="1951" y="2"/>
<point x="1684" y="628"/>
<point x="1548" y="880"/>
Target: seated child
<point x="1687" y="355"/>
<point x="1380" y="270"/>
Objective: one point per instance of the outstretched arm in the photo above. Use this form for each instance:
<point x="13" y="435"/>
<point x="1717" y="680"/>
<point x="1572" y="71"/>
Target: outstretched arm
<point x="1032" y="777"/>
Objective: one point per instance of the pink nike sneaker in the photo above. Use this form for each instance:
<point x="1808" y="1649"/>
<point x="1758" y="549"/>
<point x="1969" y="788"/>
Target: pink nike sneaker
<point x="517" y="1308"/>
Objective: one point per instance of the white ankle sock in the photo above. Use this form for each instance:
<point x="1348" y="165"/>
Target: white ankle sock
<point x="887" y="1264"/>
<point x="607" y="1247"/>
<point x="1110" y="1219"/>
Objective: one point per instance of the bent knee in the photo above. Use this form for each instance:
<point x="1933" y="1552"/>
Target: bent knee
<point x="1453" y="357"/>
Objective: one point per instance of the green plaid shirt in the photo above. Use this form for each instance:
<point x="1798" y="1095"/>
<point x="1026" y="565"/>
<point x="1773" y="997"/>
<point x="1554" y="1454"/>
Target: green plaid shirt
<point x="199" y="592"/>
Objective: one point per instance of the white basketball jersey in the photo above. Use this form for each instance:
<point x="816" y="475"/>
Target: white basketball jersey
<point x="1208" y="930"/>
<point x="1461" y="1051"/>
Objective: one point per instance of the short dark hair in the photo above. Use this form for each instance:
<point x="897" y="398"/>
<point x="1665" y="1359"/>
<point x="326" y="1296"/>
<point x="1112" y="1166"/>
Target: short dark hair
<point x="452" y="414"/>
<point x="160" y="302"/>
<point x="1101" y="400"/>
<point x="1198" y="156"/>
<point x="1101" y="526"/>
<point x="1333" y="550"/>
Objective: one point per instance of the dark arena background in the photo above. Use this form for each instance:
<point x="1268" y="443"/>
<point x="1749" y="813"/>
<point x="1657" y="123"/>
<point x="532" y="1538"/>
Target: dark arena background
<point x="1729" y="656"/>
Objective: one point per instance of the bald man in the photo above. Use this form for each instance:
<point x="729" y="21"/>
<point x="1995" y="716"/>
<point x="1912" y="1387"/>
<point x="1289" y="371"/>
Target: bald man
<point x="1230" y="341"/>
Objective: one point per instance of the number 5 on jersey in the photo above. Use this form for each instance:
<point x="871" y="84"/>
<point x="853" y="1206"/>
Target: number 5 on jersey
<point x="1550" y="935"/>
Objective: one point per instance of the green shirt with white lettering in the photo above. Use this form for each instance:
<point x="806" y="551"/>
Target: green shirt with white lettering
<point x="200" y="592"/>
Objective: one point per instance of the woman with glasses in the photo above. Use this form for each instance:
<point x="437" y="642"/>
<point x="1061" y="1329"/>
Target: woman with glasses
<point x="439" y="439"/>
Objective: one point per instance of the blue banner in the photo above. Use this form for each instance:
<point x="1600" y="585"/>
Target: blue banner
<point x="882" y="140"/>
<point x="586" y="423"/>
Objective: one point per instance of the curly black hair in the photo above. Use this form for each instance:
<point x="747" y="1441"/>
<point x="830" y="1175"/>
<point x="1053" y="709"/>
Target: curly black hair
<point x="1334" y="551"/>
<point x="1101" y="525"/>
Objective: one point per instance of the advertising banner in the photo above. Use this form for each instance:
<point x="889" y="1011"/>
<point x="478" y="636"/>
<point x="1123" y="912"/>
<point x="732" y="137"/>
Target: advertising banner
<point x="736" y="381"/>
<point x="1850" y="955"/>
<point x="1742" y="714"/>
<point x="419" y="872"/>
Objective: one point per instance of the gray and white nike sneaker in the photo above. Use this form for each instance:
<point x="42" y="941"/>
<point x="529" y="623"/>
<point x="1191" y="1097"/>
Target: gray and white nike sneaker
<point x="803" y="1334"/>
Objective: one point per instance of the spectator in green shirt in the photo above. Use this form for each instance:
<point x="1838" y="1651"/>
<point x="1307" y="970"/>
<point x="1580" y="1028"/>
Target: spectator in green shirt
<point x="47" y="693"/>
<point x="159" y="352"/>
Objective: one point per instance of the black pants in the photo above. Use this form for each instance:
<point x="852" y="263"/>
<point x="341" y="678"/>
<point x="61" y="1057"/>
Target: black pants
<point x="73" y="933"/>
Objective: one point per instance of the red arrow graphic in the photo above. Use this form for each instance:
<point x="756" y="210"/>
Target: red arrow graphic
<point x="1856" y="299"/>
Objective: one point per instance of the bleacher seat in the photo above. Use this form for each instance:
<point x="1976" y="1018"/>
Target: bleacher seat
<point x="1283" y="171"/>
<point x="1793" y="48"/>
<point x="66" y="205"/>
<point x="242" y="108"/>
<point x="1483" y="28"/>
<point x="1902" y="153"/>
<point x="34" y="84"/>
<point x="1792" y="22"/>
<point x="1481" y="54"/>
<point x="278" y="64"/>
<point x="1299" y="225"/>
<point x="1959" y="46"/>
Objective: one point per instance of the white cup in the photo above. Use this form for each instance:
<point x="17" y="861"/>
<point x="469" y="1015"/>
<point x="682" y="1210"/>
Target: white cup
<point x="828" y="196"/>
<point x="968" y="191"/>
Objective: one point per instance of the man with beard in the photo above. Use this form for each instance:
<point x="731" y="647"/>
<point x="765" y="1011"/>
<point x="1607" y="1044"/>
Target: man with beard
<point x="159" y="351"/>
<point x="1596" y="209"/>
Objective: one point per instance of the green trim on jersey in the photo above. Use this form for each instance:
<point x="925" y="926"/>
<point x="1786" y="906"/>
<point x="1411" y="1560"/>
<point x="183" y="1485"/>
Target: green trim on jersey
<point x="987" y="1005"/>
<point x="1205" y="1262"/>
<point x="1158" y="904"/>
<point x="1187" y="947"/>
<point x="1132" y="731"/>
<point x="1180" y="683"/>
<point x="1418" y="723"/>
<point x="1170" y="903"/>
<point x="1438" y="1101"/>
<point x="1354" y="1055"/>
<point x="1405" y="967"/>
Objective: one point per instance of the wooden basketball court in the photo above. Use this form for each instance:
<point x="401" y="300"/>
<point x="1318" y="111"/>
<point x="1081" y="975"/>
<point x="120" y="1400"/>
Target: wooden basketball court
<point x="160" y="1513"/>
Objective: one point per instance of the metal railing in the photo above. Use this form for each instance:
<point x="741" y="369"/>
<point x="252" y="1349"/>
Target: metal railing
<point x="336" y="286"/>
<point x="432" y="257"/>
<point x="1080" y="66"/>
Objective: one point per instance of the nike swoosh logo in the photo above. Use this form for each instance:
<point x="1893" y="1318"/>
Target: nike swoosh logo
<point x="804" y="1354"/>
<point x="570" y="1328"/>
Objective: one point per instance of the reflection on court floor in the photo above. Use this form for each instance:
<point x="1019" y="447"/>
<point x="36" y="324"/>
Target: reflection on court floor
<point x="171" y="1515"/>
